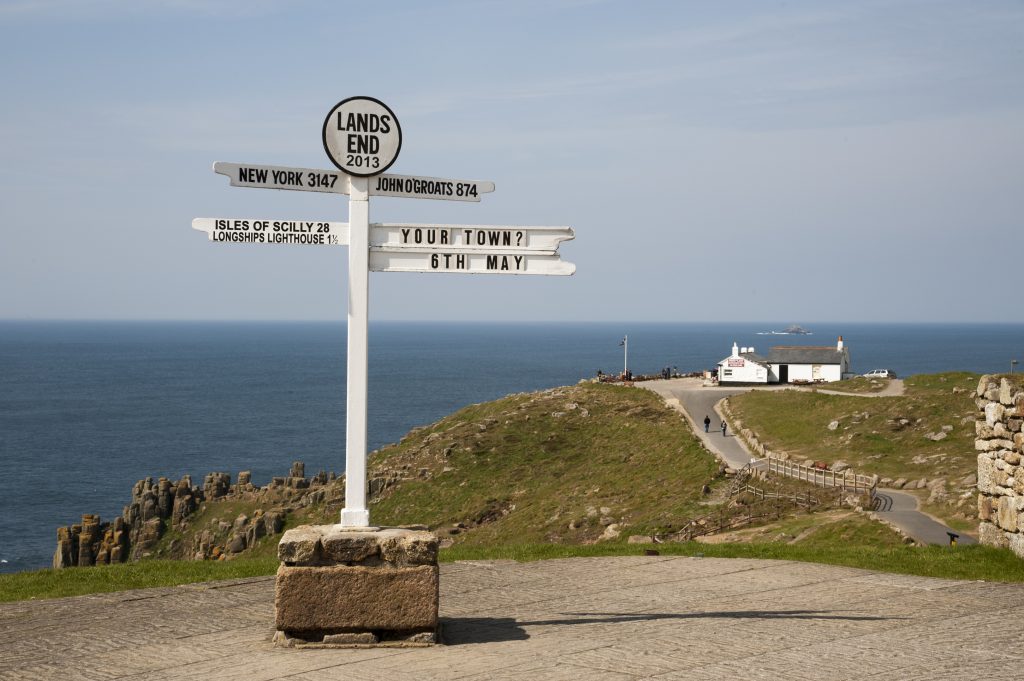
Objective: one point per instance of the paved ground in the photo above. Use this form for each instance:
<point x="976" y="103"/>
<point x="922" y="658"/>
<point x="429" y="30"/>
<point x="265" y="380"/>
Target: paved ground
<point x="693" y="401"/>
<point x="602" y="618"/>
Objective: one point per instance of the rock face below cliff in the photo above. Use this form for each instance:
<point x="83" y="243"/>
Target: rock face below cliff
<point x="162" y="505"/>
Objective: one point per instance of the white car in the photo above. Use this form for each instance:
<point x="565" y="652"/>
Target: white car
<point x="880" y="373"/>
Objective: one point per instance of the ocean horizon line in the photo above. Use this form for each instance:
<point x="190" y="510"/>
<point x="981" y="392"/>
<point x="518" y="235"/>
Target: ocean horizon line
<point x="173" y="320"/>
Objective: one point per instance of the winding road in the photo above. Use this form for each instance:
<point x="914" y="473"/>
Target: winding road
<point x="690" y="398"/>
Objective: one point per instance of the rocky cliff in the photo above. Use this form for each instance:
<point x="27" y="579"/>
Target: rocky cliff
<point x="160" y="506"/>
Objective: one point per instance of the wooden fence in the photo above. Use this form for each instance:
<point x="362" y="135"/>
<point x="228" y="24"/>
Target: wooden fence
<point x="768" y="508"/>
<point x="805" y="500"/>
<point x="858" y="484"/>
<point x="774" y="505"/>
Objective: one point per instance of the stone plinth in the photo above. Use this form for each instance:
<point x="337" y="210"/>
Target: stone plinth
<point x="356" y="587"/>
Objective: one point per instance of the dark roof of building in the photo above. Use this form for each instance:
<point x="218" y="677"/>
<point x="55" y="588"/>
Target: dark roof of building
<point x="805" y="354"/>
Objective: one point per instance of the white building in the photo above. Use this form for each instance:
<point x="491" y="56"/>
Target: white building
<point x="744" y="366"/>
<point x="786" y="364"/>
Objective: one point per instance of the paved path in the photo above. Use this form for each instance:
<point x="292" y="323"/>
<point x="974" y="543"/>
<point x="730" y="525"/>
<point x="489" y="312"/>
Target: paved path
<point x="901" y="509"/>
<point x="693" y="401"/>
<point x="895" y="388"/>
<point x="595" y="619"/>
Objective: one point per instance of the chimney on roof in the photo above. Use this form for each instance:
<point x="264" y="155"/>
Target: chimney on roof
<point x="839" y="344"/>
<point x="735" y="349"/>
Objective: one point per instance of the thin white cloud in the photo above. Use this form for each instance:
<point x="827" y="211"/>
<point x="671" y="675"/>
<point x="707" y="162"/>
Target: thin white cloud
<point x="738" y="30"/>
<point x="105" y="9"/>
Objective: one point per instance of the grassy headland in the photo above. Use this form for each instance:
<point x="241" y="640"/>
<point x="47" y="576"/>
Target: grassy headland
<point x="574" y="471"/>
<point x="926" y="434"/>
<point x="557" y="466"/>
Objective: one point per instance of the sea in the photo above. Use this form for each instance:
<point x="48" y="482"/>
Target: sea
<point x="88" y="408"/>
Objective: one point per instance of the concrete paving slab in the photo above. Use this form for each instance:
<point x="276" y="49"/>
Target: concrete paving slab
<point x="602" y="618"/>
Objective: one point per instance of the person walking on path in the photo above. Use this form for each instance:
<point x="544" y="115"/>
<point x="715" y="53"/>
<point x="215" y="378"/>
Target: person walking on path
<point x="723" y="428"/>
<point x="707" y="423"/>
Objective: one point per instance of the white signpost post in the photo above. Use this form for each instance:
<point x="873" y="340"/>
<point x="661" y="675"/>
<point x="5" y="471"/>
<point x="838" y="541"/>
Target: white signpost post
<point x="362" y="137"/>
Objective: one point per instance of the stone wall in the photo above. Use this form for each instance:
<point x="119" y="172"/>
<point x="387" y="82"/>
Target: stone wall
<point x="1000" y="444"/>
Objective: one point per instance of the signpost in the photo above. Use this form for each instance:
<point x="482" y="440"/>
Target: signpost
<point x="395" y="235"/>
<point x="467" y="261"/>
<point x="362" y="137"/>
<point x="411" y="187"/>
<point x="249" y="231"/>
<point x="281" y="177"/>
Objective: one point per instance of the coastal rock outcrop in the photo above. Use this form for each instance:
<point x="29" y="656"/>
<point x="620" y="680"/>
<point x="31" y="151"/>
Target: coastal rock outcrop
<point x="162" y="505"/>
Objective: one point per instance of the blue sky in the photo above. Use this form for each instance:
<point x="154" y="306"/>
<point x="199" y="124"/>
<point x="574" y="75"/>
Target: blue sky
<point x="777" y="161"/>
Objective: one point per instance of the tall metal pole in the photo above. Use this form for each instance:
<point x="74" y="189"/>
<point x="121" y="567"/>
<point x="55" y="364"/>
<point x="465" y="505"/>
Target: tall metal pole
<point x="355" y="513"/>
<point x="625" y="355"/>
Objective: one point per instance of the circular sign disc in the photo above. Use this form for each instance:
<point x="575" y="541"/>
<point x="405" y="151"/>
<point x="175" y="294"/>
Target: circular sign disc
<point x="362" y="136"/>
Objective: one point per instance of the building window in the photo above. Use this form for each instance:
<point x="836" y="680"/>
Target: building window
<point x="727" y="372"/>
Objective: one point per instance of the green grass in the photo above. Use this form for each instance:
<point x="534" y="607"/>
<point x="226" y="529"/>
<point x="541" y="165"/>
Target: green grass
<point x="962" y="562"/>
<point x="858" y="385"/>
<point x="124" y="576"/>
<point x="538" y="468"/>
<point x="822" y="530"/>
